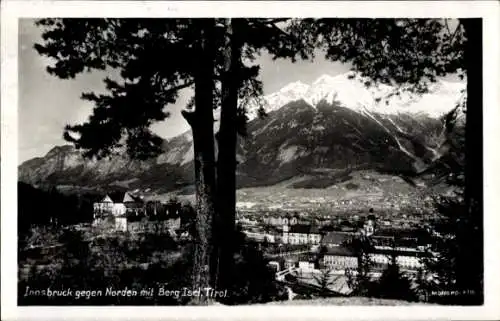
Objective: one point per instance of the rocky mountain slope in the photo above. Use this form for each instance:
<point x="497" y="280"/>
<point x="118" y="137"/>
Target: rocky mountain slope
<point x="326" y="129"/>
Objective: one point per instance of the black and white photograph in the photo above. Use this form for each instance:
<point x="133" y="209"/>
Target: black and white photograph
<point x="249" y="161"/>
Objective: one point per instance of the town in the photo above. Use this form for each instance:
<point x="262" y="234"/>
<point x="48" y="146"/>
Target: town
<point x="298" y="244"/>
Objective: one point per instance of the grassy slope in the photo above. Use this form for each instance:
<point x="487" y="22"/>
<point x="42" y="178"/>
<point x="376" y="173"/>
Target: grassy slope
<point x="347" y="301"/>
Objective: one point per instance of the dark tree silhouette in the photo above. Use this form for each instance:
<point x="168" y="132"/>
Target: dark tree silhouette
<point x="324" y="281"/>
<point x="393" y="284"/>
<point x="243" y="40"/>
<point x="144" y="52"/>
<point x="156" y="58"/>
<point x="359" y="278"/>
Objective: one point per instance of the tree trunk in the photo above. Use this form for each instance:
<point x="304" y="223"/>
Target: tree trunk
<point x="201" y="122"/>
<point x="470" y="275"/>
<point x="226" y="160"/>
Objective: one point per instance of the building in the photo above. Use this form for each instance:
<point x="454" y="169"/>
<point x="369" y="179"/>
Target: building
<point x="273" y="220"/>
<point x="121" y="223"/>
<point x="260" y="236"/>
<point x="301" y="234"/>
<point x="336" y="238"/>
<point x="117" y="204"/>
<point x="293" y="220"/>
<point x="406" y="259"/>
<point x="403" y="240"/>
<point x="306" y="266"/>
<point x="339" y="258"/>
<point x="290" y="262"/>
<point x="280" y="220"/>
<point x="369" y="226"/>
<point x="174" y="223"/>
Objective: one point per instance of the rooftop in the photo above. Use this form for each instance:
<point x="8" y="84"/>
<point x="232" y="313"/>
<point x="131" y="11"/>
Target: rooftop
<point x="390" y="252"/>
<point x="345" y="251"/>
<point x="337" y="237"/>
<point x="121" y="197"/>
<point x="304" y="229"/>
<point x="339" y="251"/>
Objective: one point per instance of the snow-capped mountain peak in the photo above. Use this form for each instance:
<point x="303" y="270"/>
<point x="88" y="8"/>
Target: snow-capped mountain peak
<point x="291" y="92"/>
<point x="352" y="93"/>
<point x="297" y="87"/>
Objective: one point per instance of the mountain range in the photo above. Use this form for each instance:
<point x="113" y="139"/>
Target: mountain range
<point x="316" y="134"/>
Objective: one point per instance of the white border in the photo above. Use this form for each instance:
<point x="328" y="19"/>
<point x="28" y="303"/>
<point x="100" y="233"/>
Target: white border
<point x="12" y="10"/>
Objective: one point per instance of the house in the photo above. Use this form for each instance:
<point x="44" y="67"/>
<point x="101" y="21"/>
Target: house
<point x="290" y="262"/>
<point x="293" y="220"/>
<point x="272" y="220"/>
<point x="121" y="223"/>
<point x="256" y="236"/>
<point x="248" y="221"/>
<point x="173" y="209"/>
<point x="260" y="236"/>
<point x="174" y="223"/>
<point x="301" y="234"/>
<point x="281" y="220"/>
<point x="307" y="262"/>
<point x="117" y="204"/>
<point x="306" y="266"/>
<point x="270" y="238"/>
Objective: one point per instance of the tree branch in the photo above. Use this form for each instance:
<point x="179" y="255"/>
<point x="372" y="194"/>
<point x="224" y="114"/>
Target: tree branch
<point x="269" y="22"/>
<point x="277" y="20"/>
<point x="282" y="31"/>
<point x="189" y="116"/>
<point x="455" y="32"/>
<point x="273" y="26"/>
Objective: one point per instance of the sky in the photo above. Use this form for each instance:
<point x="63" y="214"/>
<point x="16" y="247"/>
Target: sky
<point x="47" y="104"/>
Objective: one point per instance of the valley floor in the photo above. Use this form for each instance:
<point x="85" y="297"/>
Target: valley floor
<point x="364" y="189"/>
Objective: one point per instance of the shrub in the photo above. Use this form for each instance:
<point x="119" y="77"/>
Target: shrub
<point x="351" y="186"/>
<point x="393" y="284"/>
